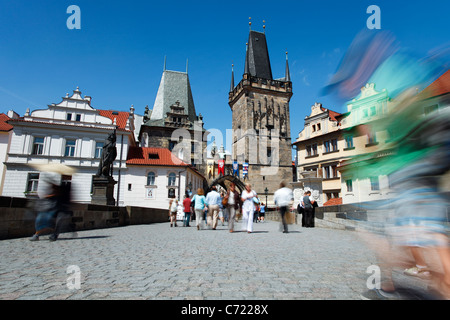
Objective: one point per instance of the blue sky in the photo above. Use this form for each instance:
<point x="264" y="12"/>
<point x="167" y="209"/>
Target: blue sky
<point x="117" y="57"/>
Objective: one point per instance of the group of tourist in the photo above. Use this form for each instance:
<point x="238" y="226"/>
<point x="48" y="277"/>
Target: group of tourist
<point x="224" y="206"/>
<point x="227" y="205"/>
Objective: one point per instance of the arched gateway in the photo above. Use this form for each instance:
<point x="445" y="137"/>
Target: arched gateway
<point x="222" y="181"/>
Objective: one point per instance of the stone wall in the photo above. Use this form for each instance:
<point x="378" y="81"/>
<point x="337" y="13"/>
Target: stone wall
<point x="17" y="217"/>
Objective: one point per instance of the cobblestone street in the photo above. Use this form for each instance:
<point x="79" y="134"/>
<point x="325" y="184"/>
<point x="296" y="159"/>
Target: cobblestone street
<point x="158" y="262"/>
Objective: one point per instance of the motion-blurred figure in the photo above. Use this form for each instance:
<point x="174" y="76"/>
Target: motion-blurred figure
<point x="415" y="159"/>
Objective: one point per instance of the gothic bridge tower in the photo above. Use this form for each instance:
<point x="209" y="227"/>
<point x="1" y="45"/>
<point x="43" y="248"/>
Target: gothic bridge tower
<point x="261" y="121"/>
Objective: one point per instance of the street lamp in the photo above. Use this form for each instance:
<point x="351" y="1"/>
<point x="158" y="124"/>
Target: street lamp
<point x="265" y="192"/>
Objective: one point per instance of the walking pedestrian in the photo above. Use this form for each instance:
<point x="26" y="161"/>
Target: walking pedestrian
<point x="308" y="204"/>
<point x="262" y="212"/>
<point x="248" y="198"/>
<point x="187" y="210"/>
<point x="213" y="201"/>
<point x="301" y="210"/>
<point x="256" y="213"/>
<point x="283" y="198"/>
<point x="199" y="206"/>
<point x="233" y="204"/>
<point x="47" y="208"/>
<point x="173" y="209"/>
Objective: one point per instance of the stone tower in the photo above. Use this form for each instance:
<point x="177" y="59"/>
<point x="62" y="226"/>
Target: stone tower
<point x="261" y="122"/>
<point x="173" y="122"/>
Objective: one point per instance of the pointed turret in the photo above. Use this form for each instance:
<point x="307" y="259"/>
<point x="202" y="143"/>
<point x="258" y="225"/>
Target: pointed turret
<point x="287" y="76"/>
<point x="232" y="79"/>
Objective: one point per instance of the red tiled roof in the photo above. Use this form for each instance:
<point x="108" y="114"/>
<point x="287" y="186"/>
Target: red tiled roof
<point x="3" y="125"/>
<point x="331" y="114"/>
<point x="153" y="157"/>
<point x="439" y="87"/>
<point x="121" y="117"/>
<point x="333" y="202"/>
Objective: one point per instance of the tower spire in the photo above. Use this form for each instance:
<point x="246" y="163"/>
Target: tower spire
<point x="288" y="76"/>
<point x="232" y="78"/>
<point x="246" y="69"/>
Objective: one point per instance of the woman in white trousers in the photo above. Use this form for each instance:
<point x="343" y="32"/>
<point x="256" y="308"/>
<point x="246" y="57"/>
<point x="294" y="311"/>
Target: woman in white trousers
<point x="248" y="207"/>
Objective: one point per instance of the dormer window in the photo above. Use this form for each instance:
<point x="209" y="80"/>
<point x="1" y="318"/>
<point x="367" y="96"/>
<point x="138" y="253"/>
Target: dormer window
<point x="153" y="156"/>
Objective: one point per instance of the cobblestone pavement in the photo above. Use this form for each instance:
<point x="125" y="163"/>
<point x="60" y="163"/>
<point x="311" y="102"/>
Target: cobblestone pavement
<point x="158" y="262"/>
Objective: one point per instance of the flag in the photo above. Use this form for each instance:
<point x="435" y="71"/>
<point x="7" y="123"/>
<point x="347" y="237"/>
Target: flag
<point x="235" y="169"/>
<point x="221" y="167"/>
<point x="245" y="170"/>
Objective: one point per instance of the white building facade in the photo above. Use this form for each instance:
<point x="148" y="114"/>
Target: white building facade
<point x="70" y="133"/>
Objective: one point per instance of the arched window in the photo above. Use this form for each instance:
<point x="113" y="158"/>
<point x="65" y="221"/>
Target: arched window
<point x="172" y="179"/>
<point x="151" y="179"/>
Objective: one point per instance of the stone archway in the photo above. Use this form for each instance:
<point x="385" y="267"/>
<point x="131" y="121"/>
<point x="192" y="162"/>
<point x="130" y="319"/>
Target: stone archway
<point x="228" y="178"/>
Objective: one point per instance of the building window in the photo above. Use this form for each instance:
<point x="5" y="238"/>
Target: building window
<point x="78" y="118"/>
<point x="330" y="146"/>
<point x="69" y="117"/>
<point x="374" y="184"/>
<point x="311" y="150"/>
<point x="349" y="184"/>
<point x="70" y="148"/>
<point x="98" y="150"/>
<point x="313" y="128"/>
<point x="334" y="146"/>
<point x="371" y="138"/>
<point x="330" y="171"/>
<point x="32" y="182"/>
<point x="318" y="126"/>
<point x="172" y="179"/>
<point x="326" y="146"/>
<point x="38" y="145"/>
<point x="373" y="111"/>
<point x="151" y="179"/>
<point x="349" y="142"/>
<point x="326" y="172"/>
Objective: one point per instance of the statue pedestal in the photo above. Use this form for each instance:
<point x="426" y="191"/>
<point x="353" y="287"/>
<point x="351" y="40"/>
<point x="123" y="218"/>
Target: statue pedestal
<point x="103" y="191"/>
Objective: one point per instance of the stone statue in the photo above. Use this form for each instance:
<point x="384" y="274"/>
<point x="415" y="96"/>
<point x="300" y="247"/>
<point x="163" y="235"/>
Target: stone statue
<point x="109" y="154"/>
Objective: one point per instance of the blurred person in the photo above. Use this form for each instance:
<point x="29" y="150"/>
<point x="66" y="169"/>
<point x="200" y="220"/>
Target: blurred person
<point x="256" y="214"/>
<point x="187" y="210"/>
<point x="248" y="198"/>
<point x="63" y="221"/>
<point x="233" y="205"/>
<point x="308" y="204"/>
<point x="222" y="209"/>
<point x="283" y="198"/>
<point x="47" y="208"/>
<point x="173" y="209"/>
<point x="415" y="158"/>
<point x="213" y="201"/>
<point x="200" y="204"/>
